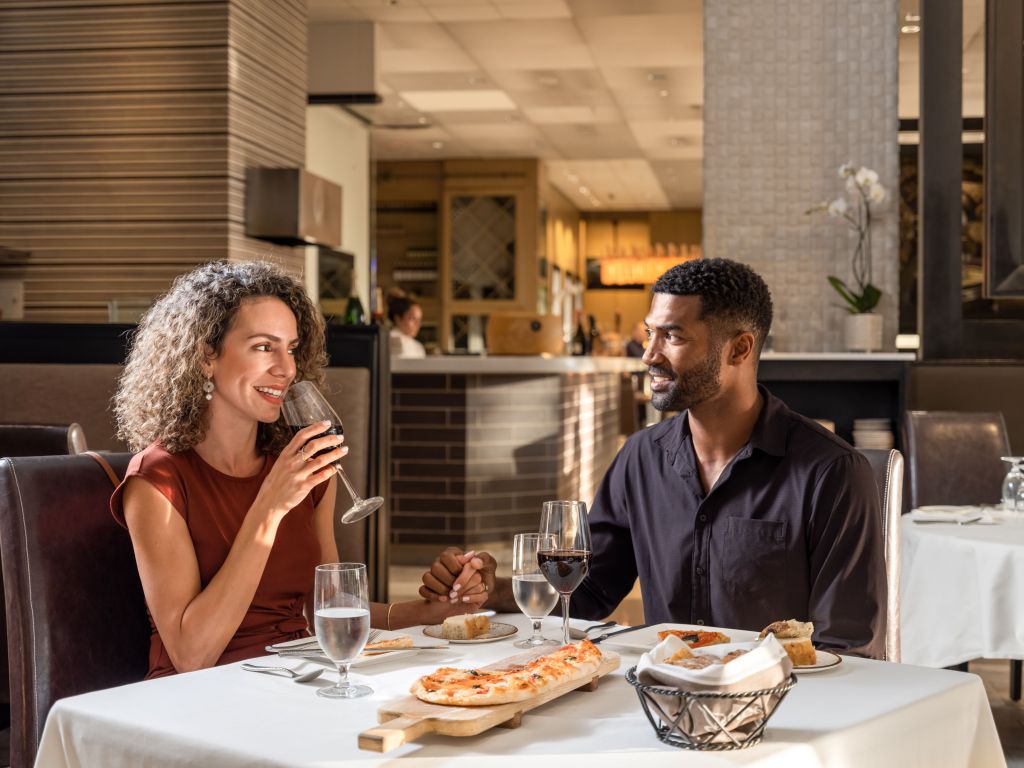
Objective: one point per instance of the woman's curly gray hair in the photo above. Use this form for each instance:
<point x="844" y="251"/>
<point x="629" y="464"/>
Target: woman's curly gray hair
<point x="160" y="394"/>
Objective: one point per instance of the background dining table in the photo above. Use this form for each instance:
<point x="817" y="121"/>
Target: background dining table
<point x="861" y="712"/>
<point x="962" y="586"/>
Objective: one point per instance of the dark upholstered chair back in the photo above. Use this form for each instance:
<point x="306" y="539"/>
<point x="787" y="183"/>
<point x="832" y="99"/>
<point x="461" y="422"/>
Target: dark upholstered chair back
<point x="954" y="457"/>
<point x="887" y="467"/>
<point x="41" y="439"/>
<point x="76" y="615"/>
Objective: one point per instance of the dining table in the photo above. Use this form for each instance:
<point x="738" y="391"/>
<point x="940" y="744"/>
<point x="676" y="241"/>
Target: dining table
<point x="962" y="585"/>
<point x="860" y="712"/>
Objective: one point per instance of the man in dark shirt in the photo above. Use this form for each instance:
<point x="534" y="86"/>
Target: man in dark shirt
<point x="735" y="513"/>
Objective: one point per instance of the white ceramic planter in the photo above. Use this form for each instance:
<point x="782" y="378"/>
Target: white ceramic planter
<point x="863" y="333"/>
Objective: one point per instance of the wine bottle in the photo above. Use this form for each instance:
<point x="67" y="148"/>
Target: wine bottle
<point x="354" y="312"/>
<point x="580" y="340"/>
<point x="595" y="336"/>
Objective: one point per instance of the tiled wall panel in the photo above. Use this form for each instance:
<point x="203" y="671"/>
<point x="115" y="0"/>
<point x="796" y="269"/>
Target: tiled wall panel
<point x="794" y="88"/>
<point x="474" y="456"/>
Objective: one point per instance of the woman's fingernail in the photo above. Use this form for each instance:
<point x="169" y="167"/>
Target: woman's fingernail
<point x="466" y="599"/>
<point x="456" y="588"/>
<point x="470" y="553"/>
<point x="453" y="595"/>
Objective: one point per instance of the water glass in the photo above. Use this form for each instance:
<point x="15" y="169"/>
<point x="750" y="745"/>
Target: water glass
<point x="533" y="593"/>
<point x="341" y="609"/>
<point x="1013" y="484"/>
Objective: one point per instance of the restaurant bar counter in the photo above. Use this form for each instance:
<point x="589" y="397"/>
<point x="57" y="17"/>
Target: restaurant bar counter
<point x="478" y="443"/>
<point x="859" y="713"/>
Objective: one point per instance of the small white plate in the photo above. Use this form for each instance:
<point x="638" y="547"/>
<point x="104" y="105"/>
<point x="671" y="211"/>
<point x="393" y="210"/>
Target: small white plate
<point x="824" y="660"/>
<point x="498" y="631"/>
<point x="642" y="640"/>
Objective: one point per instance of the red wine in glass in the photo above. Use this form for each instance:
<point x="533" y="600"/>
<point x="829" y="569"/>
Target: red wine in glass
<point x="564" y="568"/>
<point x="565" y="560"/>
<point x="332" y="430"/>
<point x="304" y="405"/>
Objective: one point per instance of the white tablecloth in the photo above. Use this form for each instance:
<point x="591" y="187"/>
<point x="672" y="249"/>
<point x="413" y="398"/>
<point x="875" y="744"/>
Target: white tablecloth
<point x="861" y="713"/>
<point x="962" y="591"/>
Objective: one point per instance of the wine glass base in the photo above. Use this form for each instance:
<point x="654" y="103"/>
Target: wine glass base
<point x="534" y="643"/>
<point x="351" y="692"/>
<point x="361" y="509"/>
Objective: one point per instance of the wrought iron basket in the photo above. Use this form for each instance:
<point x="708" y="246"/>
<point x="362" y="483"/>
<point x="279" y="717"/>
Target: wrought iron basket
<point x="752" y="709"/>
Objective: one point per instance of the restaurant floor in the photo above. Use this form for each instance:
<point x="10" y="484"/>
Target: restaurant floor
<point x="1009" y="715"/>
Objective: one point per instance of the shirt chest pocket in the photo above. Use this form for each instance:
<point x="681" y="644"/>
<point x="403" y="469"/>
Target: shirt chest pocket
<point x="753" y="566"/>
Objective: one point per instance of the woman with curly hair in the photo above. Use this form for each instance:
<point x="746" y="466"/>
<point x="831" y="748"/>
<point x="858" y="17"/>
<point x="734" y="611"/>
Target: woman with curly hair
<point x="228" y="512"/>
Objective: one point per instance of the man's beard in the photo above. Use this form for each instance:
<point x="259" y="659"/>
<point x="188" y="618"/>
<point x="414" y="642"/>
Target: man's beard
<point x="694" y="387"/>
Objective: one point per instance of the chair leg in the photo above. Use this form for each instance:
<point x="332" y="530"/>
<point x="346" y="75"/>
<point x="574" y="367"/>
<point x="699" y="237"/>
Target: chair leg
<point x="1015" y="670"/>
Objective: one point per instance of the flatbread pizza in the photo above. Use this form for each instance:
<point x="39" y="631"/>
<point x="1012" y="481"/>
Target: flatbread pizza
<point x="515" y="682"/>
<point x="696" y="638"/>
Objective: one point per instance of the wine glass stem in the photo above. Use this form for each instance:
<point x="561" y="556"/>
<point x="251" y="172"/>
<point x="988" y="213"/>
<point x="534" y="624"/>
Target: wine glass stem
<point x="343" y="675"/>
<point x="565" y="619"/>
<point x="348" y="484"/>
<point x="536" y="631"/>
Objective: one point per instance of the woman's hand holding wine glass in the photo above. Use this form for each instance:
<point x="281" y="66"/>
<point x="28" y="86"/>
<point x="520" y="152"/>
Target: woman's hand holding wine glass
<point x="303" y="464"/>
<point x="305" y="406"/>
<point x="565" y="559"/>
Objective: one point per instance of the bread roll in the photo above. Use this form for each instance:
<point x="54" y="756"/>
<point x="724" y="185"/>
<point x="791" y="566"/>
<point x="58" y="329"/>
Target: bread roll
<point x="466" y="626"/>
<point x="795" y="637"/>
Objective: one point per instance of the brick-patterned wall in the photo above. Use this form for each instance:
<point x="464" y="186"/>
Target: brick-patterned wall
<point x="474" y="456"/>
<point x="794" y="88"/>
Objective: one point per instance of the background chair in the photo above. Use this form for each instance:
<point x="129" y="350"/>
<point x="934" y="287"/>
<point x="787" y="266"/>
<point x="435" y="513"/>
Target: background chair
<point x="954" y="459"/>
<point x="41" y="439"/>
<point x="887" y="467"/>
<point x="76" y="615"/>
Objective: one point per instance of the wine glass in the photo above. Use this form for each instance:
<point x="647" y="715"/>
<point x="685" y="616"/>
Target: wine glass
<point x="566" y="562"/>
<point x="341" y="616"/>
<point x="1013" y="484"/>
<point x="304" y="405"/>
<point x="534" y="595"/>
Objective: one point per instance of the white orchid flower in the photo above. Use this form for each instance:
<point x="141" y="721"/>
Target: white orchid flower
<point x="866" y="177"/>
<point x="876" y="193"/>
<point x="837" y="207"/>
<point x="846" y="169"/>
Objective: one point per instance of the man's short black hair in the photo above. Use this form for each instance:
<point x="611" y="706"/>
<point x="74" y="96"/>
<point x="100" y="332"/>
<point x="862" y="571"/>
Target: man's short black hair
<point x="733" y="297"/>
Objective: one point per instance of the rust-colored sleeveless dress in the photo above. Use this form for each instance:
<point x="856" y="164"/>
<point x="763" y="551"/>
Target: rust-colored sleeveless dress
<point x="213" y="506"/>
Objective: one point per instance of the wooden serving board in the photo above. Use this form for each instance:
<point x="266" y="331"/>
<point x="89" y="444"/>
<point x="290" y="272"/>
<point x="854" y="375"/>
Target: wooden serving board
<point x="407" y="718"/>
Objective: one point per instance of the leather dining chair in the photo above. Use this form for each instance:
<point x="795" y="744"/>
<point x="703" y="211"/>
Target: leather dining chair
<point x="887" y="467"/>
<point x="31" y="440"/>
<point x="41" y="439"/>
<point x="76" y="615"/>
<point x="954" y="459"/>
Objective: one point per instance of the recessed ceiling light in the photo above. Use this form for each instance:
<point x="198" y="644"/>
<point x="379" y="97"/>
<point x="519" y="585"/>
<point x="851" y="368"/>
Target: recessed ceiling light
<point x="421" y="120"/>
<point x="663" y="93"/>
<point x="656" y="77"/>
<point x="574" y="178"/>
<point x="460" y="101"/>
<point x="584" y="191"/>
<point x="438" y="145"/>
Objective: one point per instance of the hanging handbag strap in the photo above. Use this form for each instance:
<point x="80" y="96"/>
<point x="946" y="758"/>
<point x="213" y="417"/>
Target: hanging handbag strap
<point x="106" y="466"/>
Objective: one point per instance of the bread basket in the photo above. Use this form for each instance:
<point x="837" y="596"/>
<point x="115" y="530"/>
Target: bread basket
<point x="737" y="720"/>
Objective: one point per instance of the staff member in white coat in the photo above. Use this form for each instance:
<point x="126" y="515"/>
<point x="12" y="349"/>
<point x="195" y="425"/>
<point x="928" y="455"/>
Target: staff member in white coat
<point x="406" y="317"/>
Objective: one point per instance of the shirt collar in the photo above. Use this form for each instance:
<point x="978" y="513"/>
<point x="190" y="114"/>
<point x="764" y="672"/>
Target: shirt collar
<point x="769" y="434"/>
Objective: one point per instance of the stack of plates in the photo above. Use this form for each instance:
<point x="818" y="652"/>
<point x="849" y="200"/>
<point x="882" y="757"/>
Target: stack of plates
<point x="873" y="433"/>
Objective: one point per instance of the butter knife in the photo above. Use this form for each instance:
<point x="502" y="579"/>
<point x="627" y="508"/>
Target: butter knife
<point x="605" y="636"/>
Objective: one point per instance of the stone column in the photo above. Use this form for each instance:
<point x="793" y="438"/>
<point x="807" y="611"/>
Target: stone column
<point x="793" y="89"/>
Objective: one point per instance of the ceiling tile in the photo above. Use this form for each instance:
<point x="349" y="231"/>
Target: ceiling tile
<point x="531" y="9"/>
<point x="665" y="40"/>
<point x="458" y="101"/>
<point x="449" y="13"/>
<point x="424" y="61"/>
<point x="584" y="8"/>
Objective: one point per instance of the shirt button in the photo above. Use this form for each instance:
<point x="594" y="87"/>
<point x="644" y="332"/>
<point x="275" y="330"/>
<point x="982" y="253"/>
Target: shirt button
<point x="703" y="518"/>
<point x="701" y="622"/>
<point x="700" y="571"/>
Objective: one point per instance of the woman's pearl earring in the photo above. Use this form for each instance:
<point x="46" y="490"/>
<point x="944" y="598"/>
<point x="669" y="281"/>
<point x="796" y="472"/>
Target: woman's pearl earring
<point x="208" y="389"/>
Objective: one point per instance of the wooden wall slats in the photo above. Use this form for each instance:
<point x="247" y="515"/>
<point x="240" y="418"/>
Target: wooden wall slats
<point x="126" y="128"/>
<point x="79" y="26"/>
<point x="96" y="157"/>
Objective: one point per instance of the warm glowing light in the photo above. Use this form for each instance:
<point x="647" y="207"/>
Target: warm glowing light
<point x="645" y="267"/>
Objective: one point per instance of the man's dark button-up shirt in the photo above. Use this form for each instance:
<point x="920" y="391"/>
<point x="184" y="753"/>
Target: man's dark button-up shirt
<point x="791" y="530"/>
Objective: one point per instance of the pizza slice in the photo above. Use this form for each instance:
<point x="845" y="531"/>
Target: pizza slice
<point x="696" y="638"/>
<point x="510" y="682"/>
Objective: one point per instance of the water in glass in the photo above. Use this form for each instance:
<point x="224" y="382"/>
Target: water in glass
<point x="341" y="615"/>
<point x="534" y="595"/>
